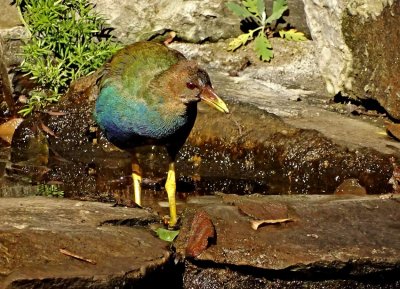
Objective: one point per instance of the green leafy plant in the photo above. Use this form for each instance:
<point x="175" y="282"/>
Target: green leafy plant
<point x="69" y="40"/>
<point x="50" y="191"/>
<point x="38" y="100"/>
<point x="254" y="11"/>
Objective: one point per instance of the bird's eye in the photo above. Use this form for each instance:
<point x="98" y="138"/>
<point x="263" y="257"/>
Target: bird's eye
<point x="190" y="85"/>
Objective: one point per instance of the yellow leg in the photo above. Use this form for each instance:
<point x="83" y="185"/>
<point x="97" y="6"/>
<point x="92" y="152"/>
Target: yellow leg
<point x="137" y="181"/>
<point x="170" y="187"/>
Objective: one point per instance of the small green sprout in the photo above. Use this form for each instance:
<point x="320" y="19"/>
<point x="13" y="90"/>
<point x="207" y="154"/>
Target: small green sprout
<point x="255" y="11"/>
<point x="50" y="191"/>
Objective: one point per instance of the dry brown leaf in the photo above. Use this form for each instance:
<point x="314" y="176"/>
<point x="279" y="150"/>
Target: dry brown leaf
<point x="170" y="38"/>
<point x="8" y="128"/>
<point x="257" y="223"/>
<point x="393" y="129"/>
<point x="201" y="233"/>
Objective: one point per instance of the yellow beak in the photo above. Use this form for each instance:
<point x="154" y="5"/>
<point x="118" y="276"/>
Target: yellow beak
<point x="211" y="98"/>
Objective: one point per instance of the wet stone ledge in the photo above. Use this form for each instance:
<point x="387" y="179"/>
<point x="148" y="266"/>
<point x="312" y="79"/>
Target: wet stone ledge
<point x="34" y="231"/>
<point x="249" y="151"/>
<point x="331" y="242"/>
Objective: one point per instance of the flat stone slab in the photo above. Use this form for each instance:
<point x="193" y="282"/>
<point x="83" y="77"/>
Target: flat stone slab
<point x="34" y="229"/>
<point x="337" y="235"/>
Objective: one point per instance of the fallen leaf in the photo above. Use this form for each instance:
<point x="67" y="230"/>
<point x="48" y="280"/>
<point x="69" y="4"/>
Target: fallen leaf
<point x="166" y="235"/>
<point x="8" y="128"/>
<point x="393" y="129"/>
<point x="201" y="233"/>
<point x="170" y="38"/>
<point x="257" y="223"/>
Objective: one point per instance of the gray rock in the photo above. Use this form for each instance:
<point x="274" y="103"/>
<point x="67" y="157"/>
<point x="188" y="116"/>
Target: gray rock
<point x="193" y="21"/>
<point x="355" y="47"/>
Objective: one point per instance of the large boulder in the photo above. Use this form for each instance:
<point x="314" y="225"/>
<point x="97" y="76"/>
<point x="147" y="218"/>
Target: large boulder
<point x="357" y="53"/>
<point x="193" y="21"/>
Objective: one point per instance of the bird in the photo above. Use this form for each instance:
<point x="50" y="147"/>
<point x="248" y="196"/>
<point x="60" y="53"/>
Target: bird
<point x="148" y="95"/>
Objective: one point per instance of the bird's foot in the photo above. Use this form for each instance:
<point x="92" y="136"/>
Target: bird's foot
<point x="171" y="225"/>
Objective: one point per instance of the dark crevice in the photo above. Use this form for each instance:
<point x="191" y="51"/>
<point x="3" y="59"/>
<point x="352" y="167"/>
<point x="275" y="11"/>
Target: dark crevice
<point x="360" y="271"/>
<point x="368" y="104"/>
<point x="170" y="275"/>
<point x="131" y="222"/>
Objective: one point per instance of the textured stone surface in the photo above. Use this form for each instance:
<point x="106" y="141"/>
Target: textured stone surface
<point x="355" y="47"/>
<point x="376" y="58"/>
<point x="193" y="21"/>
<point x="33" y="230"/>
<point x="199" y="276"/>
<point x="342" y="239"/>
<point x="9" y="15"/>
<point x="294" y="70"/>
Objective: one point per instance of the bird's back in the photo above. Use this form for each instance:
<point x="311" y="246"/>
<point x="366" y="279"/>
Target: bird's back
<point x="125" y="110"/>
<point x="132" y="68"/>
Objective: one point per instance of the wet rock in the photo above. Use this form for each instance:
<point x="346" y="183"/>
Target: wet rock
<point x="333" y="241"/>
<point x="33" y="230"/>
<point x="199" y="276"/>
<point x="249" y="151"/>
<point x="29" y="155"/>
<point x="74" y="153"/>
<point x="353" y="62"/>
<point x="29" y="144"/>
<point x="274" y="158"/>
<point x="266" y="211"/>
<point x="350" y="186"/>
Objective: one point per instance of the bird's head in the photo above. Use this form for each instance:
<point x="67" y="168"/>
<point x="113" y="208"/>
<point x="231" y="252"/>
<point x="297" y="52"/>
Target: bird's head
<point x="189" y="83"/>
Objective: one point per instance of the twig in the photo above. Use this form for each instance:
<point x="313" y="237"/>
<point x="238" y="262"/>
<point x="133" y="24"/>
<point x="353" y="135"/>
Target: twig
<point x="68" y="253"/>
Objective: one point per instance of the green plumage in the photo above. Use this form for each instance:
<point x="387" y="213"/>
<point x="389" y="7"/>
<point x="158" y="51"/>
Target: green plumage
<point x="133" y="108"/>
